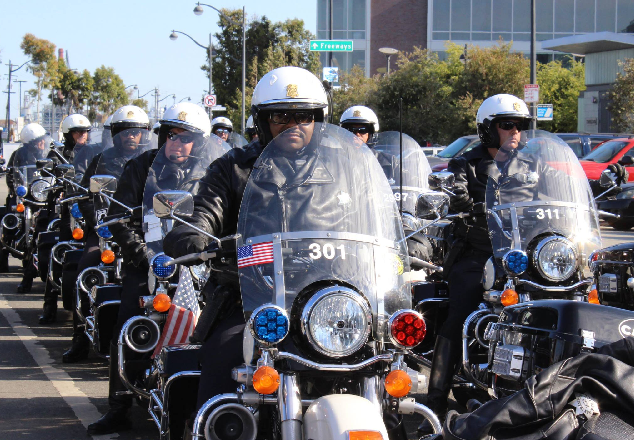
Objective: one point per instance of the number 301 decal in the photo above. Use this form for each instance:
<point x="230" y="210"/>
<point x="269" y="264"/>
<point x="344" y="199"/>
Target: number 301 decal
<point x="550" y="213"/>
<point x="327" y="251"/>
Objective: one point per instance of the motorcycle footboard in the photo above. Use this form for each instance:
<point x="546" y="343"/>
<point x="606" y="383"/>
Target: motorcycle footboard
<point x="334" y="416"/>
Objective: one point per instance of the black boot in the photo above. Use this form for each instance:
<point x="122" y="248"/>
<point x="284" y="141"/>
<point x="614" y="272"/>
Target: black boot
<point x="26" y="284"/>
<point x="4" y="260"/>
<point x="27" y="278"/>
<point x="50" y="305"/>
<point x="443" y="368"/>
<point x="81" y="344"/>
<point x="116" y="419"/>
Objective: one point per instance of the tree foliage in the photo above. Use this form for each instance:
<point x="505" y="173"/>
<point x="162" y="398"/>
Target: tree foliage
<point x="108" y="91"/>
<point x="622" y="98"/>
<point x="70" y="89"/>
<point x="42" y="54"/>
<point x="560" y="86"/>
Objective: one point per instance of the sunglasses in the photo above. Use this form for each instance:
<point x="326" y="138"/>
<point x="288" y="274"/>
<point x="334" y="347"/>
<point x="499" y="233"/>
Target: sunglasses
<point x="184" y="138"/>
<point x="358" y="130"/>
<point x="283" y="118"/>
<point x="134" y="132"/>
<point x="223" y="130"/>
<point x="508" y="125"/>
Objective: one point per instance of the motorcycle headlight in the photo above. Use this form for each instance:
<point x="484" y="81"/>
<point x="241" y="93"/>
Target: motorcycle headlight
<point x="37" y="190"/>
<point x="336" y="321"/>
<point x="555" y="258"/>
<point x="158" y="269"/>
<point x="75" y="212"/>
<point x="21" y="191"/>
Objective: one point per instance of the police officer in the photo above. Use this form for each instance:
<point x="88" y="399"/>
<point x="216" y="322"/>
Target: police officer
<point x="221" y="127"/>
<point x="362" y="122"/>
<point x="292" y="102"/>
<point x="250" y="130"/>
<point x="34" y="146"/>
<point x="184" y="131"/>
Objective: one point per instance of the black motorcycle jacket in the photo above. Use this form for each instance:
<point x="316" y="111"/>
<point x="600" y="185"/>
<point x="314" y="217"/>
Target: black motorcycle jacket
<point x="545" y="408"/>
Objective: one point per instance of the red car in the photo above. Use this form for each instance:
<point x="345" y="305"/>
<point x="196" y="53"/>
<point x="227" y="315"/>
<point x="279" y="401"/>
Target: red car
<point x="617" y="150"/>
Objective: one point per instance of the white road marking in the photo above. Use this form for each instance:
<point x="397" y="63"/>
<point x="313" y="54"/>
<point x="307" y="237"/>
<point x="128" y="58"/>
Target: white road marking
<point x="85" y="411"/>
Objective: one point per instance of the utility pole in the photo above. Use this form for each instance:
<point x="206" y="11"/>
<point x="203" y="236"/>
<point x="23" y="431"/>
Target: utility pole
<point x="244" y="62"/>
<point x="533" y="65"/>
<point x="211" y="54"/>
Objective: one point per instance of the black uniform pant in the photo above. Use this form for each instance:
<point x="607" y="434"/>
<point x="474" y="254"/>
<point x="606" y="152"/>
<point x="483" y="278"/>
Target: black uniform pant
<point x="134" y="284"/>
<point x="465" y="292"/>
<point x="51" y="293"/>
<point x="91" y="257"/>
<point x="220" y="353"/>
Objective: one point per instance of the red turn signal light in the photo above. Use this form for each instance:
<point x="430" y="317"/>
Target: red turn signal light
<point x="407" y="328"/>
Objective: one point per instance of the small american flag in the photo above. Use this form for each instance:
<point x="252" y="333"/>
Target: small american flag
<point x="183" y="314"/>
<point x="255" y="254"/>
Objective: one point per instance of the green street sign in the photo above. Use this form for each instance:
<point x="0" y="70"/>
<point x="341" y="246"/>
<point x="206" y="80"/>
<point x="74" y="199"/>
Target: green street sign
<point x="331" y="45"/>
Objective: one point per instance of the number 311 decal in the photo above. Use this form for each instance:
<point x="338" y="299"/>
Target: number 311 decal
<point x="550" y="213"/>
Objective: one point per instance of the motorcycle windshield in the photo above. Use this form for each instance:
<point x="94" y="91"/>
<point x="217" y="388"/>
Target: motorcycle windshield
<point x="317" y="211"/>
<point x="538" y="188"/>
<point x="127" y="145"/>
<point x="236" y="140"/>
<point x="177" y="174"/>
<point x="415" y="167"/>
<point x="24" y="162"/>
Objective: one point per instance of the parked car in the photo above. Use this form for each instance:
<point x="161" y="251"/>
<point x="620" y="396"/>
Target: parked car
<point x="454" y="149"/>
<point x="616" y="150"/>
<point x="432" y="151"/>
<point x="623" y="205"/>
<point x="583" y="143"/>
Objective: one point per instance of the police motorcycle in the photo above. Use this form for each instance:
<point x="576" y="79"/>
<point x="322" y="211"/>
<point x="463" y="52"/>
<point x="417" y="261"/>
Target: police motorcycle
<point x="236" y="140"/>
<point x="540" y="305"/>
<point x="169" y="377"/>
<point x="97" y="289"/>
<point x="325" y="295"/>
<point x="31" y="190"/>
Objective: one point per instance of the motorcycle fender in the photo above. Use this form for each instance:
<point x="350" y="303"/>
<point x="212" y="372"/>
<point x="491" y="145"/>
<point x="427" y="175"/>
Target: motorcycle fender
<point x="332" y="417"/>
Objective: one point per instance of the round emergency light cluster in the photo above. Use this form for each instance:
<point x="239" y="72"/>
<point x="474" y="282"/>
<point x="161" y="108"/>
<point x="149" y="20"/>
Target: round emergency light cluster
<point x="75" y="212"/>
<point x="515" y="262"/>
<point x="407" y="328"/>
<point x="159" y="269"/>
<point x="269" y="324"/>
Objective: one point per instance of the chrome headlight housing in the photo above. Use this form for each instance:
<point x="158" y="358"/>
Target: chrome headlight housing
<point x="37" y="190"/>
<point x="337" y="321"/>
<point x="555" y="258"/>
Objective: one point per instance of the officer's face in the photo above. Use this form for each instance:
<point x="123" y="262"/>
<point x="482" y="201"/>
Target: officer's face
<point x="131" y="138"/>
<point x="80" y="137"/>
<point x="41" y="144"/>
<point x="222" y="133"/>
<point x="359" y="131"/>
<point x="178" y="145"/>
<point x="295" y="136"/>
<point x="509" y="139"/>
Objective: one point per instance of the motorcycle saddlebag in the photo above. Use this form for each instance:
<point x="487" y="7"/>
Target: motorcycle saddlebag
<point x="180" y="357"/>
<point x="69" y="277"/>
<point x="530" y="337"/>
<point x="105" y="307"/>
<point x="613" y="266"/>
<point x="45" y="241"/>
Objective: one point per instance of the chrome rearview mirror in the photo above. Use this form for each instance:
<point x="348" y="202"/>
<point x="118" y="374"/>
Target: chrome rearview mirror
<point x="440" y="180"/>
<point x="65" y="170"/>
<point x="44" y="164"/>
<point x="432" y="205"/>
<point x="103" y="182"/>
<point x="166" y="204"/>
<point x="607" y="179"/>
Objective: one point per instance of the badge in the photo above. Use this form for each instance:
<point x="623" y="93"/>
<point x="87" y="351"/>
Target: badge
<point x="182" y="116"/>
<point x="585" y="405"/>
<point x="291" y="91"/>
<point x="130" y="114"/>
<point x="344" y="199"/>
<point x="516" y="106"/>
<point x="356" y="113"/>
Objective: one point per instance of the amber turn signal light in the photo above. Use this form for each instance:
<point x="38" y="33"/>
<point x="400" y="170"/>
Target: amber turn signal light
<point x="593" y="297"/>
<point x="107" y="256"/>
<point x="266" y="380"/>
<point x="398" y="383"/>
<point x="509" y="298"/>
<point x="161" y="302"/>
<point x="78" y="233"/>
<point x="19" y="207"/>
<point x="364" y="435"/>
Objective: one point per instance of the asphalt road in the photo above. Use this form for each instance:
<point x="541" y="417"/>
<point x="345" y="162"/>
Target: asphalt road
<point x="42" y="398"/>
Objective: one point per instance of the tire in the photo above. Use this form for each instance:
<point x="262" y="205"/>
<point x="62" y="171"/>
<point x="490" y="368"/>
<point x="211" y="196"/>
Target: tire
<point x="622" y="225"/>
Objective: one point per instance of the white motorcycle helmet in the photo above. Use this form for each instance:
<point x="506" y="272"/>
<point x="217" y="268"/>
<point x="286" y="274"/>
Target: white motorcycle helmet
<point x="287" y="88"/>
<point x="187" y="116"/>
<point x="32" y="132"/>
<point x="156" y="127"/>
<point x="129" y="116"/>
<point x="499" y="107"/>
<point x="221" y="122"/>
<point x="75" y="122"/>
<point x="359" y="114"/>
<point x="250" y="128"/>
<point x="108" y="123"/>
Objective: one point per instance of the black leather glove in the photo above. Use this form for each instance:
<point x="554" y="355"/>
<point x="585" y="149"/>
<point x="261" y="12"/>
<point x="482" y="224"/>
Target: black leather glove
<point x="139" y="256"/>
<point x="460" y="202"/>
<point x="183" y="240"/>
<point x="622" y="176"/>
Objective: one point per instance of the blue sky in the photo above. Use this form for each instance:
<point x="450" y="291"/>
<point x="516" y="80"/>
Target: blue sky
<point x="132" y="36"/>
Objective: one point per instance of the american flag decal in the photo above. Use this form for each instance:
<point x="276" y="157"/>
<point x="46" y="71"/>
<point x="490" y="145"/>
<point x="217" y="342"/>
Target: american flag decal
<point x="183" y="314"/>
<point x="255" y="254"/>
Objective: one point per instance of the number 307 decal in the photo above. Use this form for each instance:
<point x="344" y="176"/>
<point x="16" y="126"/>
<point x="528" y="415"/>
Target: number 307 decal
<point x="328" y="251"/>
<point x="550" y="213"/>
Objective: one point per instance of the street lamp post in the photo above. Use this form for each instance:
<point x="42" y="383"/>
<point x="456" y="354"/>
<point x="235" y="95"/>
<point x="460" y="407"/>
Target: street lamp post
<point x="533" y="66"/>
<point x="187" y="98"/>
<point x="198" y="10"/>
<point x="20" y="97"/>
<point x="388" y="51"/>
<point x="210" y="53"/>
<point x="9" y="93"/>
